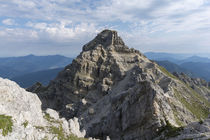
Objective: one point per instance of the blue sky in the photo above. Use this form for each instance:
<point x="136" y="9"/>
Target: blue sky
<point x="44" y="27"/>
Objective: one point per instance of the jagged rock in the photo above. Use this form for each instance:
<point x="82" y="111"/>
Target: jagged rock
<point x="127" y="96"/>
<point x="53" y="114"/>
<point x="75" y="128"/>
<point x="38" y="87"/>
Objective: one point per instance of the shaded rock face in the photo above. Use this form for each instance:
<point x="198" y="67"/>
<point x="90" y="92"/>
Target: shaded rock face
<point x="116" y="91"/>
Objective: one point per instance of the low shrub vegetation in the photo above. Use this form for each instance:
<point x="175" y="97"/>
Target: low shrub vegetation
<point x="25" y="124"/>
<point x="6" y="124"/>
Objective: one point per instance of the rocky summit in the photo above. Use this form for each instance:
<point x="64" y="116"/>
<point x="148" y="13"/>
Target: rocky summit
<point x="116" y="92"/>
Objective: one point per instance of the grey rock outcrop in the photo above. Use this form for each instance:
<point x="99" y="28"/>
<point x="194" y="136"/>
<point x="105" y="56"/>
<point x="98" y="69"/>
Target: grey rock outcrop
<point x="116" y="91"/>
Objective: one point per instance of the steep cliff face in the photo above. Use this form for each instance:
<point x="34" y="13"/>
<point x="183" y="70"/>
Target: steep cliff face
<point x="116" y="91"/>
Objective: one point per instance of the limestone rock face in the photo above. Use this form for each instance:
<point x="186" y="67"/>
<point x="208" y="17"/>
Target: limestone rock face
<point x="27" y="120"/>
<point x="19" y="103"/>
<point x="117" y="92"/>
<point x="23" y="107"/>
<point x="75" y="127"/>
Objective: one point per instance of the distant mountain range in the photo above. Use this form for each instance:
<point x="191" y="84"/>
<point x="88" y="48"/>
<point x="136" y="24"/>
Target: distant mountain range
<point x="167" y="56"/>
<point x="29" y="69"/>
<point x="172" y="67"/>
<point x="177" y="56"/>
<point x="200" y="69"/>
<point x="43" y="77"/>
<point x="194" y="66"/>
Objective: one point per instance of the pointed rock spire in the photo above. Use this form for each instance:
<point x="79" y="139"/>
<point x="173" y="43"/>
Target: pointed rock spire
<point x="107" y="39"/>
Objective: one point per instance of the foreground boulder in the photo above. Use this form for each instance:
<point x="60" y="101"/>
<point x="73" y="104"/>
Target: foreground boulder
<point x="21" y="117"/>
<point x="116" y="91"/>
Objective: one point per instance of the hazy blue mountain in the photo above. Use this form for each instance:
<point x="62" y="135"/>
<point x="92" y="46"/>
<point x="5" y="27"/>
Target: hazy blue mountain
<point x="43" y="77"/>
<point x="196" y="59"/>
<point x="16" y="66"/>
<point x="171" y="67"/>
<point x="176" y="58"/>
<point x="8" y="72"/>
<point x="200" y="69"/>
<point x="166" y="56"/>
<point x="194" y="66"/>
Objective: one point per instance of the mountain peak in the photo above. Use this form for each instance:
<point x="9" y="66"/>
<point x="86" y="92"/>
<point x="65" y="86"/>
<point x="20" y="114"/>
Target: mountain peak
<point x="118" y="92"/>
<point x="106" y="39"/>
<point x="30" y="55"/>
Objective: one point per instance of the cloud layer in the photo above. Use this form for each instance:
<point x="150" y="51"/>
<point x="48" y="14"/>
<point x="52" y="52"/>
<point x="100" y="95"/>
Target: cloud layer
<point x="51" y="26"/>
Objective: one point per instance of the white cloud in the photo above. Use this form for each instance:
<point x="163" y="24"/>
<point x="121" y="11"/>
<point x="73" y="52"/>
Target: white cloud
<point x="8" y="22"/>
<point x="24" y="4"/>
<point x="63" y="31"/>
<point x="18" y="34"/>
<point x="178" y="7"/>
<point x="143" y="23"/>
<point x="58" y="35"/>
<point x="40" y="26"/>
